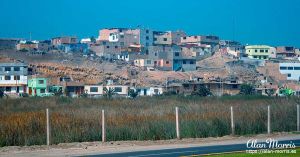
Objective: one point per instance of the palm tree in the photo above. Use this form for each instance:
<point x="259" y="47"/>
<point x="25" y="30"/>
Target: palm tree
<point x="108" y="92"/>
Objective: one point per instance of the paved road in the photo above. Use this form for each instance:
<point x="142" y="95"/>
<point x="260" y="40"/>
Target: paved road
<point x="187" y="151"/>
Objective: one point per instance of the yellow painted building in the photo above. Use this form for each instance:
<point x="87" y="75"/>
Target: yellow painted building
<point x="258" y="51"/>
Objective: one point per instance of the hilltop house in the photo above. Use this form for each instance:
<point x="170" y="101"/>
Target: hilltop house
<point x="258" y="51"/>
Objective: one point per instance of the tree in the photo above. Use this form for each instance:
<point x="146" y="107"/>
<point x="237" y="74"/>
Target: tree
<point x="108" y="92"/>
<point x="202" y="91"/>
<point x="93" y="39"/>
<point x="270" y="92"/>
<point x="1" y="94"/>
<point x="132" y="93"/>
<point x="247" y="89"/>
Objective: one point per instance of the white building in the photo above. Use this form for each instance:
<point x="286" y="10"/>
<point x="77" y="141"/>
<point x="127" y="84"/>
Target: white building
<point x="13" y="77"/>
<point x="292" y="70"/>
<point x="93" y="90"/>
<point x="149" y="91"/>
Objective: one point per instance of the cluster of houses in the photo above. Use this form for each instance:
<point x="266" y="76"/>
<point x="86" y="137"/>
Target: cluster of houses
<point x="16" y="81"/>
<point x="147" y="48"/>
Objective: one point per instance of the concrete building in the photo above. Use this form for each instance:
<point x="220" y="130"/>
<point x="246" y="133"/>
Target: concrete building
<point x="107" y="49"/>
<point x="93" y="90"/>
<point x="213" y="41"/>
<point x="37" y="87"/>
<point x="44" y="45"/>
<point x="9" y="43"/>
<point x="13" y="77"/>
<point x="196" y="51"/>
<point x="63" y="40"/>
<point x="27" y="45"/>
<point x="129" y="56"/>
<point x="168" y="37"/>
<point x="144" y="63"/>
<point x="291" y="70"/>
<point x="72" y="48"/>
<point x="148" y="91"/>
<point x="232" y="48"/>
<point x="184" y="64"/>
<point x="127" y="37"/>
<point x="119" y="90"/>
<point x="285" y="52"/>
<point x="258" y="51"/>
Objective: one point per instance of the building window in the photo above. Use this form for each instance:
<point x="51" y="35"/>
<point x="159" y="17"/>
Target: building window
<point x="184" y="62"/>
<point x="122" y="43"/>
<point x="121" y="36"/>
<point x="192" y="62"/>
<point x="118" y="89"/>
<point x="261" y="50"/>
<point x="255" y="50"/>
<point x="155" y="62"/>
<point x="296" y="68"/>
<point x="283" y="68"/>
<point x="167" y="62"/>
<point x="165" y="39"/>
<point x="107" y="47"/>
<point x="148" y="61"/>
<point x="289" y="75"/>
<point x="17" y="77"/>
<point x="16" y="68"/>
<point x="7" y="78"/>
<point x="41" y="81"/>
<point x="116" y="47"/>
<point x="104" y="43"/>
<point x="265" y="57"/>
<point x="8" y="89"/>
<point x="176" y="54"/>
<point x="147" y="38"/>
<point x="290" y="68"/>
<point x="155" y="54"/>
<point x="7" y="69"/>
<point x="94" y="89"/>
<point x="147" y="31"/>
<point x="147" y="44"/>
<point x="147" y="52"/>
<point x="248" y="50"/>
<point x="267" y="51"/>
<point x="184" y="38"/>
<point x="42" y="90"/>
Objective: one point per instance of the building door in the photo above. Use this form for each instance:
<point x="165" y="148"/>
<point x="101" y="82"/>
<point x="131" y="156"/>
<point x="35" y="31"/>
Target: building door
<point x="18" y="89"/>
<point x="30" y="91"/>
<point x="145" y="91"/>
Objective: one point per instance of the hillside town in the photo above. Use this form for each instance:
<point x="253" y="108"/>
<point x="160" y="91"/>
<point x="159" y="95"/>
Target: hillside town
<point x="145" y="61"/>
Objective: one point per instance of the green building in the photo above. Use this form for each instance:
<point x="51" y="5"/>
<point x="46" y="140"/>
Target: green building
<point x="37" y="87"/>
<point x="258" y="51"/>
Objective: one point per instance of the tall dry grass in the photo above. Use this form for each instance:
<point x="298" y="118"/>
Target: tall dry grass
<point x="22" y="121"/>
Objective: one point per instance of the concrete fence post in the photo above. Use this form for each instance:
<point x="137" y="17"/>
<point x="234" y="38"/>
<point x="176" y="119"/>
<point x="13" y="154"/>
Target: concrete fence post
<point x="177" y="124"/>
<point x="298" y="118"/>
<point x="48" y="126"/>
<point x="103" y="127"/>
<point x="269" y="120"/>
<point x="232" y="121"/>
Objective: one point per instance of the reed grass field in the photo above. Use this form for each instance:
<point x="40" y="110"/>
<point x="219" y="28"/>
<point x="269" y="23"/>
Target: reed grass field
<point x="23" y="121"/>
